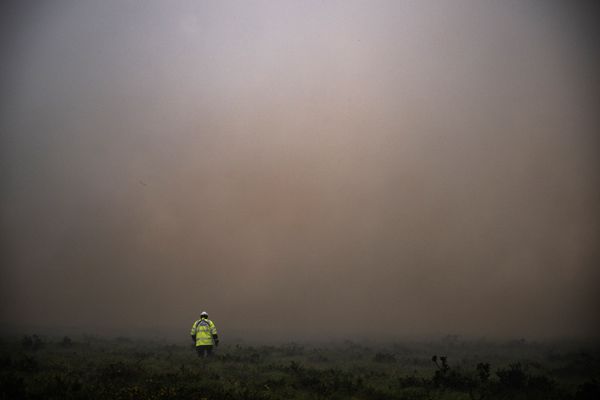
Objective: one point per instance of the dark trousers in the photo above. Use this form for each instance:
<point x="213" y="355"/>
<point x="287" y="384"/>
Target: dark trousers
<point x="204" y="351"/>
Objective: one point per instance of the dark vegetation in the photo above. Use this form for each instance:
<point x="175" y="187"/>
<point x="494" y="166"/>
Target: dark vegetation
<point x="33" y="367"/>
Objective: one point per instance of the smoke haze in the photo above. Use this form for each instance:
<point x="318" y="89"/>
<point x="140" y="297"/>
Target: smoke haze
<point x="300" y="169"/>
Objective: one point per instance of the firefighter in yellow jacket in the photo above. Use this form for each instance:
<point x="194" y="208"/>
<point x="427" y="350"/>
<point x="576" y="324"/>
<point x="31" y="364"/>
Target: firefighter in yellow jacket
<point x="204" y="334"/>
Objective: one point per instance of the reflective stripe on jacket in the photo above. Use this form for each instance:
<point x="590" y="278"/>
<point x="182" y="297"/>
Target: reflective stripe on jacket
<point x="203" y="329"/>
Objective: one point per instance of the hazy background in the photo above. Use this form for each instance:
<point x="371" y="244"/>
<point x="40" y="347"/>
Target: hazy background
<point x="312" y="169"/>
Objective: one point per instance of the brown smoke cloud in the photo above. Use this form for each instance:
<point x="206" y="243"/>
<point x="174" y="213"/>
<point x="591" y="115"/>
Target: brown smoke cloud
<point x="300" y="169"/>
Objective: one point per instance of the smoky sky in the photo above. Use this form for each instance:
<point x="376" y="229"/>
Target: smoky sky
<point x="300" y="169"/>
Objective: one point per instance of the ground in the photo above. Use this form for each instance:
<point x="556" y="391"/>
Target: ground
<point x="38" y="367"/>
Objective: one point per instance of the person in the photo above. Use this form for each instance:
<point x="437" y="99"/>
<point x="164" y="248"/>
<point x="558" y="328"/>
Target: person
<point x="204" y="335"/>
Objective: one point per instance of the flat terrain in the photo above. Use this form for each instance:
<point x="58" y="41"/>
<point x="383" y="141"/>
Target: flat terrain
<point x="33" y="367"/>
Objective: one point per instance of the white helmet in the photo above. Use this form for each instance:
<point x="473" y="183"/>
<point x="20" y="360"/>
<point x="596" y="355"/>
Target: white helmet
<point x="204" y="314"/>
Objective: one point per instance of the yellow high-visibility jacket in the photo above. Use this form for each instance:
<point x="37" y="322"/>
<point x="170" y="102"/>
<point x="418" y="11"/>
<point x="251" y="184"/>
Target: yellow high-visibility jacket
<point x="203" y="329"/>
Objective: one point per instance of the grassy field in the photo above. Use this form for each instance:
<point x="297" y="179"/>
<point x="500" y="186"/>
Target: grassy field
<point x="33" y="367"/>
